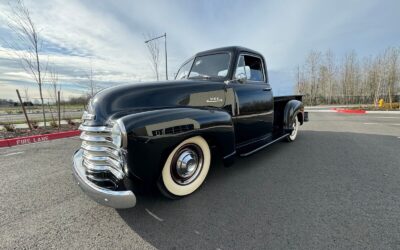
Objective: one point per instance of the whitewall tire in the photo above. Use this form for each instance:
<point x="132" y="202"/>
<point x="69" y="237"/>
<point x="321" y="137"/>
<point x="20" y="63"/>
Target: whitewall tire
<point x="186" y="168"/>
<point x="295" y="126"/>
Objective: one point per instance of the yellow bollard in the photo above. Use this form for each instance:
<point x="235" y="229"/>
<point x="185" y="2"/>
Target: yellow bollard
<point x="381" y="103"/>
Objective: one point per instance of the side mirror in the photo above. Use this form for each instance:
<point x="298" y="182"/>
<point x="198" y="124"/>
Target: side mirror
<point x="241" y="77"/>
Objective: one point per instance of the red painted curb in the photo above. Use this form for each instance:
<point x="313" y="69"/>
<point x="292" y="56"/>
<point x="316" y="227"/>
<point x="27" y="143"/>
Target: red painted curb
<point x="351" y="111"/>
<point x="37" y="138"/>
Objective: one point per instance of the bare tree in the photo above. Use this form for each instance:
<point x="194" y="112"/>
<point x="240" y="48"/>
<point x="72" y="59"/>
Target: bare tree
<point x="154" y="51"/>
<point x="322" y="80"/>
<point x="350" y="76"/>
<point x="299" y="84"/>
<point x="302" y="84"/>
<point x="392" y="58"/>
<point x="331" y="85"/>
<point x="27" y="46"/>
<point x="27" y="97"/>
<point x="92" y="87"/>
<point x="313" y="64"/>
<point x="378" y="76"/>
<point x="55" y="86"/>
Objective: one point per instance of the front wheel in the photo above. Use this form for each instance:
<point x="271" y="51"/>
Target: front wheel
<point x="295" y="130"/>
<point x="185" y="168"/>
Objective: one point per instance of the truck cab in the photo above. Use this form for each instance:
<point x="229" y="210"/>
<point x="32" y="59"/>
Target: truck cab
<point x="257" y="115"/>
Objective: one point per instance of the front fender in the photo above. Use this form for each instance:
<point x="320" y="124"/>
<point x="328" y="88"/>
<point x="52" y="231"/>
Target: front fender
<point x="293" y="108"/>
<point x="152" y="135"/>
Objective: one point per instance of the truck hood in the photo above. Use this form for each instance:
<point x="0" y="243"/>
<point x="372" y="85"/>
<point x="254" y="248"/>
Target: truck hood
<point x="121" y="100"/>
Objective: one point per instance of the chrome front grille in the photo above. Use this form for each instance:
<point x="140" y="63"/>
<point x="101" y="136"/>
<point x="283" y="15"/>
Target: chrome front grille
<point x="104" y="162"/>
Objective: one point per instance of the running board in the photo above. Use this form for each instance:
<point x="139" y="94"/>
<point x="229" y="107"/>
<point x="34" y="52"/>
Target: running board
<point x="264" y="146"/>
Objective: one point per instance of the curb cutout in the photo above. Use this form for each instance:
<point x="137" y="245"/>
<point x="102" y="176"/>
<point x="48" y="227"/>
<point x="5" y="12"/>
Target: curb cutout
<point x="37" y="138"/>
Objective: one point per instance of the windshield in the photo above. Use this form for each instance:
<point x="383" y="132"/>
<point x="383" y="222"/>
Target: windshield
<point x="210" y="66"/>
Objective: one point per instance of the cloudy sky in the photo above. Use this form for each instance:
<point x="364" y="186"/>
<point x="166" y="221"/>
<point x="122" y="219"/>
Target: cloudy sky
<point x="109" y="36"/>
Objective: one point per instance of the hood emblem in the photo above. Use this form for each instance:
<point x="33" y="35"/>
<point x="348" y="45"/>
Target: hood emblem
<point x="214" y="99"/>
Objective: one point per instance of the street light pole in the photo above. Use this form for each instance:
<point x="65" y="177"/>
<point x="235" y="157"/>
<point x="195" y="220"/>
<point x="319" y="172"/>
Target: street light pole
<point x="165" y="48"/>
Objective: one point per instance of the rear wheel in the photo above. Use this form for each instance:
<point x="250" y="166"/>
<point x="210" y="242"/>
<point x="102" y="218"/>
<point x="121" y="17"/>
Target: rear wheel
<point x="185" y="168"/>
<point x="295" y="130"/>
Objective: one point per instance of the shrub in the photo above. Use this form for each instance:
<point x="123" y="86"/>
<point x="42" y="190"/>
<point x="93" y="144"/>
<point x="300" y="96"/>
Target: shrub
<point x="9" y="127"/>
<point x="53" y="124"/>
<point x="34" y="124"/>
<point x="386" y="106"/>
<point x="69" y="121"/>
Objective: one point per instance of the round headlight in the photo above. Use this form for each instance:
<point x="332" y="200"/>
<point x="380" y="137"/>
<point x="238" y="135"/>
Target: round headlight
<point x="116" y="135"/>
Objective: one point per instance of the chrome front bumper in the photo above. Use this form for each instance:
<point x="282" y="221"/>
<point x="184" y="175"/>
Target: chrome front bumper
<point x="115" y="199"/>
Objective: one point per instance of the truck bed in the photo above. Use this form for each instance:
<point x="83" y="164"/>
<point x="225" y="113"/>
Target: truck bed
<point x="286" y="98"/>
<point x="279" y="107"/>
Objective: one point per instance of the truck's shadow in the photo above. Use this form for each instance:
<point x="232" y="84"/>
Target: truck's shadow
<point x="280" y="197"/>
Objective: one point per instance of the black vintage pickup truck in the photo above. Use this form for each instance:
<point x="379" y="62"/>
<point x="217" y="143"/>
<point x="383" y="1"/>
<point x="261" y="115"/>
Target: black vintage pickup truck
<point x="165" y="133"/>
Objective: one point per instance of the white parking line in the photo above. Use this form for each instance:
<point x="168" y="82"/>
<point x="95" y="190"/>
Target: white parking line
<point x="375" y="123"/>
<point x="387" y="117"/>
<point x="154" y="216"/>
<point x="13" y="153"/>
<point x="320" y="111"/>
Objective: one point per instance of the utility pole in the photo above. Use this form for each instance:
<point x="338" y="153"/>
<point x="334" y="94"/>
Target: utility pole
<point x="166" y="61"/>
<point x="298" y="79"/>
<point x="165" y="48"/>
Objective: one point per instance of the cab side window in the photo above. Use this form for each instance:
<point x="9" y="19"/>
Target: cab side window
<point x="251" y="67"/>
<point x="184" y="70"/>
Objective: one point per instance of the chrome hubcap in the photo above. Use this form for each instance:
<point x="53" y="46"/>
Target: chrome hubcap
<point x="187" y="164"/>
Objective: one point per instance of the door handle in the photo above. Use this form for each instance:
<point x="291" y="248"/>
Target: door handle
<point x="267" y="89"/>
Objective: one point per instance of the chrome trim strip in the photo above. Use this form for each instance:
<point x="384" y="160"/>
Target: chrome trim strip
<point x="255" y="115"/>
<point x="263" y="146"/>
<point x="94" y="129"/>
<point x="106" y="144"/>
<point x="92" y="178"/>
<point x="229" y="155"/>
<point x="124" y="135"/>
<point x="92" y="138"/>
<point x="103" y="159"/>
<point x="115" y="199"/>
<point x="102" y="168"/>
<point x="100" y="150"/>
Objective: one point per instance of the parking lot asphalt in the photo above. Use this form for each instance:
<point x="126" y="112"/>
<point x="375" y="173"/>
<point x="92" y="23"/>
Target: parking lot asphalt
<point x="337" y="186"/>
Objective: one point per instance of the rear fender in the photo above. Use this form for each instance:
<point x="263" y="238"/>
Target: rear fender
<point x="293" y="108"/>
